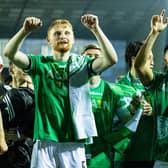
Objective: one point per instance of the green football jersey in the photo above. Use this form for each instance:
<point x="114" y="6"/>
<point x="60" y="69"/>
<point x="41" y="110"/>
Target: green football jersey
<point x="157" y="92"/>
<point x="107" y="100"/>
<point x="130" y="81"/>
<point x="144" y="137"/>
<point x="53" y="120"/>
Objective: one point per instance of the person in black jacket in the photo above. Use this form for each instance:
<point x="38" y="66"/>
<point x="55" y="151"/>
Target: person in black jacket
<point x="17" y="111"/>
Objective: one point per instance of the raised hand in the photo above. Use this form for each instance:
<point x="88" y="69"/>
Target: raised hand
<point x="158" y="23"/>
<point x="31" y="23"/>
<point x="90" y="21"/>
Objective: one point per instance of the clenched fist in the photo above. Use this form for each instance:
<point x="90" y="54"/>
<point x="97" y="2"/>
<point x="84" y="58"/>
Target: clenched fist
<point x="31" y="23"/>
<point x="90" y="21"/>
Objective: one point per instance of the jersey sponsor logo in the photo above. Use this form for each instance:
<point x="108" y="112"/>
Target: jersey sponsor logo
<point x="50" y="75"/>
<point x="97" y="105"/>
<point x="59" y="75"/>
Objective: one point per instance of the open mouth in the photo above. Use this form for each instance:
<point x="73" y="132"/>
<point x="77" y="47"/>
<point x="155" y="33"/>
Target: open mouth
<point x="63" y="42"/>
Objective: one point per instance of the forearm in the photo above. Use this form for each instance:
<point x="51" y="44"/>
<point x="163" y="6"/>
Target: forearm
<point x="145" y="50"/>
<point x="144" y="58"/>
<point x="14" y="44"/>
<point x="109" y="55"/>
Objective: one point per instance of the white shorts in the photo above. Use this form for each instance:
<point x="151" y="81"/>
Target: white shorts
<point x="49" y="154"/>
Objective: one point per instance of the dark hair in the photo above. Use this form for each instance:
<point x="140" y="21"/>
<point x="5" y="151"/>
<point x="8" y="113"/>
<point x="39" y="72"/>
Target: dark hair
<point x="6" y="77"/>
<point x="132" y="50"/>
<point x="90" y="46"/>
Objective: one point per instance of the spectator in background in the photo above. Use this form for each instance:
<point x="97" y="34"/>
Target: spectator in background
<point x="3" y="145"/>
<point x="6" y="77"/>
<point x="17" y="115"/>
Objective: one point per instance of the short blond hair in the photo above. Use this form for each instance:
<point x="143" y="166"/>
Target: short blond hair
<point x="59" y="22"/>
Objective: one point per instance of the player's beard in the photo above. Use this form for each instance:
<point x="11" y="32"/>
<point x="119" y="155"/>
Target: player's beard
<point x="62" y="48"/>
